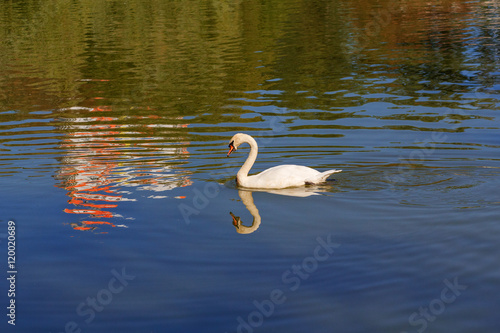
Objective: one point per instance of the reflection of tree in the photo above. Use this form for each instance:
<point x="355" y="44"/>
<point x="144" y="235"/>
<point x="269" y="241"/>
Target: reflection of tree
<point x="196" y="55"/>
<point x="103" y="158"/>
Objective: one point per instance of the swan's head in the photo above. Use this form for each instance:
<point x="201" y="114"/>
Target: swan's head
<point x="236" y="220"/>
<point x="241" y="228"/>
<point x="235" y="142"/>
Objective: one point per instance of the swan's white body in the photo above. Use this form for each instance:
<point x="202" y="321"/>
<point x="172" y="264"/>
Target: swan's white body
<point x="277" y="177"/>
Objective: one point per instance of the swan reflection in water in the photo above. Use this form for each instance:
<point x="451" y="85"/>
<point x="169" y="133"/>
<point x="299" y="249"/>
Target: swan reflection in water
<point x="247" y="199"/>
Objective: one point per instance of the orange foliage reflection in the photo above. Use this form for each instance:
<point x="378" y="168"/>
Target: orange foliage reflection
<point x="104" y="157"/>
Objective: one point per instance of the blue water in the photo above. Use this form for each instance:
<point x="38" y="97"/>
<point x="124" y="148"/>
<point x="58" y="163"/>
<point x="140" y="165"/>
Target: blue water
<point x="113" y="167"/>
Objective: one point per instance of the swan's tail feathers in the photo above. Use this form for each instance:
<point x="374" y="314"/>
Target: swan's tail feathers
<point x="321" y="178"/>
<point x="326" y="174"/>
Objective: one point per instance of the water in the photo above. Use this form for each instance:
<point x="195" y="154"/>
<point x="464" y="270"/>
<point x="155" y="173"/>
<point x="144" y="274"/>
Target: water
<point x="114" y="124"/>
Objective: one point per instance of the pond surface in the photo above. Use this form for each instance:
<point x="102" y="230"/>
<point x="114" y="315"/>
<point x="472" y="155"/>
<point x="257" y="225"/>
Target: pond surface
<point x="114" y="123"/>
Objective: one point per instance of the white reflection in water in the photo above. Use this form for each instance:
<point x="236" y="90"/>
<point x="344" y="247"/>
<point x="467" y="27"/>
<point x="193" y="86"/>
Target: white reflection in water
<point x="247" y="199"/>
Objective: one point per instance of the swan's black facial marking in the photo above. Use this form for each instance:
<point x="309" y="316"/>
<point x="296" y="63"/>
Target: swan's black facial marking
<point x="231" y="148"/>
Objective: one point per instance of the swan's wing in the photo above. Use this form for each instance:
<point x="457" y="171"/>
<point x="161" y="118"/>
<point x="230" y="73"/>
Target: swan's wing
<point x="283" y="176"/>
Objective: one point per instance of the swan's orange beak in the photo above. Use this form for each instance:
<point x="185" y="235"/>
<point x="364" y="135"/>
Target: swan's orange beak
<point x="231" y="149"/>
<point x="235" y="220"/>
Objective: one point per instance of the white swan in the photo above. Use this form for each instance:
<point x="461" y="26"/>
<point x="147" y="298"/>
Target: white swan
<point x="280" y="176"/>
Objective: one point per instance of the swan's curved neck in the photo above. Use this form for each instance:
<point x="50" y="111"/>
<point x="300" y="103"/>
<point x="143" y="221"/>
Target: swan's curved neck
<point x="252" y="156"/>
<point x="247" y="198"/>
